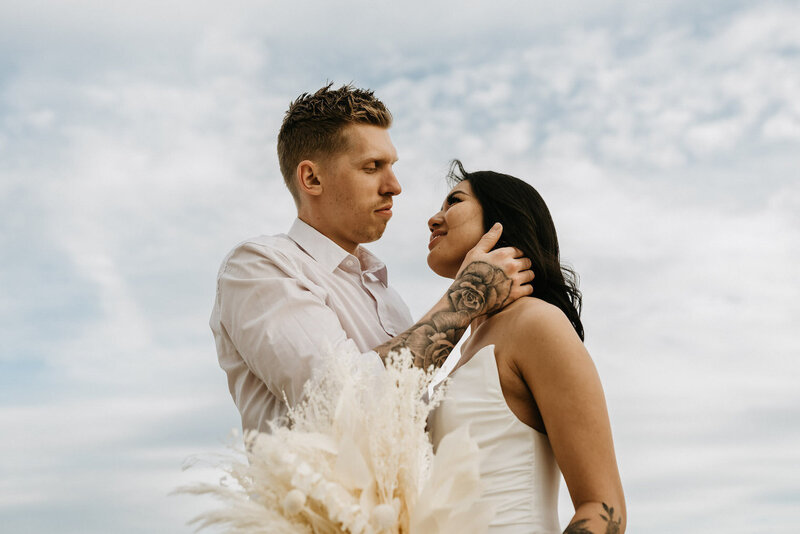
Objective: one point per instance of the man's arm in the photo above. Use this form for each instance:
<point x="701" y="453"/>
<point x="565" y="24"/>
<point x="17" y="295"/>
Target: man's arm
<point x="278" y="323"/>
<point x="487" y="281"/>
<point x="282" y="327"/>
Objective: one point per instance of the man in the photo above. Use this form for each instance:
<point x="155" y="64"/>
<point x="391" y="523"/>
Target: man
<point x="284" y="301"/>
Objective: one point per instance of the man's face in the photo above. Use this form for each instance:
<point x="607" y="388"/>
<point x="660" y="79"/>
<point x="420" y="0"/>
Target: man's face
<point x="358" y="185"/>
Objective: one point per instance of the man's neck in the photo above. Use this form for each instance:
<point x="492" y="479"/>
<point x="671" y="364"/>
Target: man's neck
<point x="348" y="247"/>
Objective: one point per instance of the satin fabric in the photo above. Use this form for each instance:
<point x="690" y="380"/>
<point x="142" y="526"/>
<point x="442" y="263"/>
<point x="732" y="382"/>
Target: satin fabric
<point x="518" y="470"/>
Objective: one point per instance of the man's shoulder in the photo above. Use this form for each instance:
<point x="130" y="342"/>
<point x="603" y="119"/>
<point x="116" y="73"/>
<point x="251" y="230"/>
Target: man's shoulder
<point x="268" y="243"/>
<point x="277" y="248"/>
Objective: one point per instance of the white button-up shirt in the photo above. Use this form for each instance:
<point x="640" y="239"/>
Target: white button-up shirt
<point x="283" y="302"/>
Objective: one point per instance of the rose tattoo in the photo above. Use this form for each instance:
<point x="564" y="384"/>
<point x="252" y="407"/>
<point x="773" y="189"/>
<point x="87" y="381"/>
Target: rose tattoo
<point x="481" y="288"/>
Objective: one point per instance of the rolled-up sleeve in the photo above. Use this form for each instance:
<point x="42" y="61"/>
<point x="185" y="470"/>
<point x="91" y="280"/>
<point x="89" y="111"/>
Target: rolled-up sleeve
<point x="278" y="322"/>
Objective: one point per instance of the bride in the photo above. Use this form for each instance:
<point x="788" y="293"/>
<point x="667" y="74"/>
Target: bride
<point x="525" y="383"/>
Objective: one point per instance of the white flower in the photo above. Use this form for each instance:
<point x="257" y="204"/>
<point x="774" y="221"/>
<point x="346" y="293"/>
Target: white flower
<point x="359" y="525"/>
<point x="287" y="458"/>
<point x="305" y="478"/>
<point x="384" y="516"/>
<point x="355" y="459"/>
<point x="294" y="501"/>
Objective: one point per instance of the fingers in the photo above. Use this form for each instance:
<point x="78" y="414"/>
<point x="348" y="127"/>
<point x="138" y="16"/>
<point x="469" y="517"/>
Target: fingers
<point x="490" y="238"/>
<point x="520" y="288"/>
<point x="513" y="252"/>
<point x="519" y="265"/>
<point x="527" y="276"/>
<point x="522" y="280"/>
<point x="526" y="290"/>
<point x="512" y="265"/>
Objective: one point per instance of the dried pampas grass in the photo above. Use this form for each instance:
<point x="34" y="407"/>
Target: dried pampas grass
<point x="353" y="457"/>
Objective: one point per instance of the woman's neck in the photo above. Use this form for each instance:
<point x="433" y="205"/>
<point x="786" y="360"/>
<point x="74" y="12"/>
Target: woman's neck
<point x="476" y="322"/>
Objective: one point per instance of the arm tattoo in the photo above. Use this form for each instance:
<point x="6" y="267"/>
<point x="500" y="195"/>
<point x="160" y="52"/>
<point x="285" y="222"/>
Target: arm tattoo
<point x="613" y="527"/>
<point x="578" y="527"/>
<point x="480" y="289"/>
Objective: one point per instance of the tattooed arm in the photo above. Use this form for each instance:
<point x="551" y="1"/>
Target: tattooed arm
<point x="488" y="281"/>
<point x="480" y="289"/>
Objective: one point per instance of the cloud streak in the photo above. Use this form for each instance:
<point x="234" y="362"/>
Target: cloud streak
<point x="137" y="151"/>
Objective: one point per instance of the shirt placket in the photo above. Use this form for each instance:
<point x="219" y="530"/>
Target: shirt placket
<point x="378" y="292"/>
<point x="375" y="289"/>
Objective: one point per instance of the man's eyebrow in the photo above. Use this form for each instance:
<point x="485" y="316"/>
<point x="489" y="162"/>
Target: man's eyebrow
<point x="382" y="159"/>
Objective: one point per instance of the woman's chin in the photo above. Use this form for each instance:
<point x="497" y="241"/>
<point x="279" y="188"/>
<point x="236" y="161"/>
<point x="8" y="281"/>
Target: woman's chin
<point x="440" y="268"/>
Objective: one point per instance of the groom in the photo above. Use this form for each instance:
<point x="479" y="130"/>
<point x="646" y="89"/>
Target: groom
<point x="283" y="301"/>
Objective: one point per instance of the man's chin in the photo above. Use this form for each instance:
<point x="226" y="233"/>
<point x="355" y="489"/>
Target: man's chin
<point x="372" y="234"/>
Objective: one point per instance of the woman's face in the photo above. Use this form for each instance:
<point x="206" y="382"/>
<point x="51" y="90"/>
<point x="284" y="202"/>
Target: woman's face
<point x="454" y="230"/>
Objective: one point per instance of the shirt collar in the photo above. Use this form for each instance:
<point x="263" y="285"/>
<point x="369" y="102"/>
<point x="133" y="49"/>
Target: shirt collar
<point x="330" y="255"/>
<point x="373" y="265"/>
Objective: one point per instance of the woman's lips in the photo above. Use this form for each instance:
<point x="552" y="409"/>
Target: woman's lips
<point x="435" y="238"/>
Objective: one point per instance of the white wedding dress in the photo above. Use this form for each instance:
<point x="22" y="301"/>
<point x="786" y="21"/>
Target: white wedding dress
<point x="518" y="470"/>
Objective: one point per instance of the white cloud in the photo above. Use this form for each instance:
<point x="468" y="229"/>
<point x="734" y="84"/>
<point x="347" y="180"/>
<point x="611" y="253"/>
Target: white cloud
<point x="664" y="150"/>
<point x="782" y="127"/>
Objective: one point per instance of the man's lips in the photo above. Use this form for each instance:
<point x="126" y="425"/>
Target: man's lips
<point x="385" y="211"/>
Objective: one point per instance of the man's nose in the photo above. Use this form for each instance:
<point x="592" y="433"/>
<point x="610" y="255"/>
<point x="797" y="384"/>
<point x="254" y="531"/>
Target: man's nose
<point x="390" y="184"/>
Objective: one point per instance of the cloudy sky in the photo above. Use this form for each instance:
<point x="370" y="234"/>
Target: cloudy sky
<point x="137" y="146"/>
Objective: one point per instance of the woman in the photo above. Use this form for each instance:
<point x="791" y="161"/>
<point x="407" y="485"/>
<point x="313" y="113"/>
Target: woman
<point x="525" y="383"/>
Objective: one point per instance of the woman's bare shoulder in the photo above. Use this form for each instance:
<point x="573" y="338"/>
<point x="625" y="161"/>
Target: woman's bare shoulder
<point x="534" y="322"/>
<point x="532" y="312"/>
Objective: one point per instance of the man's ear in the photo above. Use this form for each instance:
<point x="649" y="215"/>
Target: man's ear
<point x="308" y="177"/>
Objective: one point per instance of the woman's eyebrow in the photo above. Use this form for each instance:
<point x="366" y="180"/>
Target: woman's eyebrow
<point x="453" y="194"/>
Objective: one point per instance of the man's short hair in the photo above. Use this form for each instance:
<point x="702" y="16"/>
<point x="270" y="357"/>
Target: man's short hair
<point x="312" y="127"/>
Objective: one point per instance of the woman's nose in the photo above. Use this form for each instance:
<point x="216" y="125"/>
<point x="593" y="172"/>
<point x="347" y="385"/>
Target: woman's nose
<point x="435" y="221"/>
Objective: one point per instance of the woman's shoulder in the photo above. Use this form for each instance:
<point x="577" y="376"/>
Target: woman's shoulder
<point x="531" y="320"/>
<point x="533" y="311"/>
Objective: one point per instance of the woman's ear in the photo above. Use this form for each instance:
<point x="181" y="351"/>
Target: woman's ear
<point x="308" y="178"/>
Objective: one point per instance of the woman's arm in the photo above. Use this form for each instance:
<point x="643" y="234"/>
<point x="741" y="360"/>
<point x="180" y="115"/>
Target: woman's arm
<point x="562" y="377"/>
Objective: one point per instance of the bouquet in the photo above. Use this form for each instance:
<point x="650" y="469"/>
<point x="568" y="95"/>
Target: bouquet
<point x="353" y="457"/>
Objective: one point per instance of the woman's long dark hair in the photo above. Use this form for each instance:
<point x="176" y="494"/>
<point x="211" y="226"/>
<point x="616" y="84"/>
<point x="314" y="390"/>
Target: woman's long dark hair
<point x="527" y="225"/>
